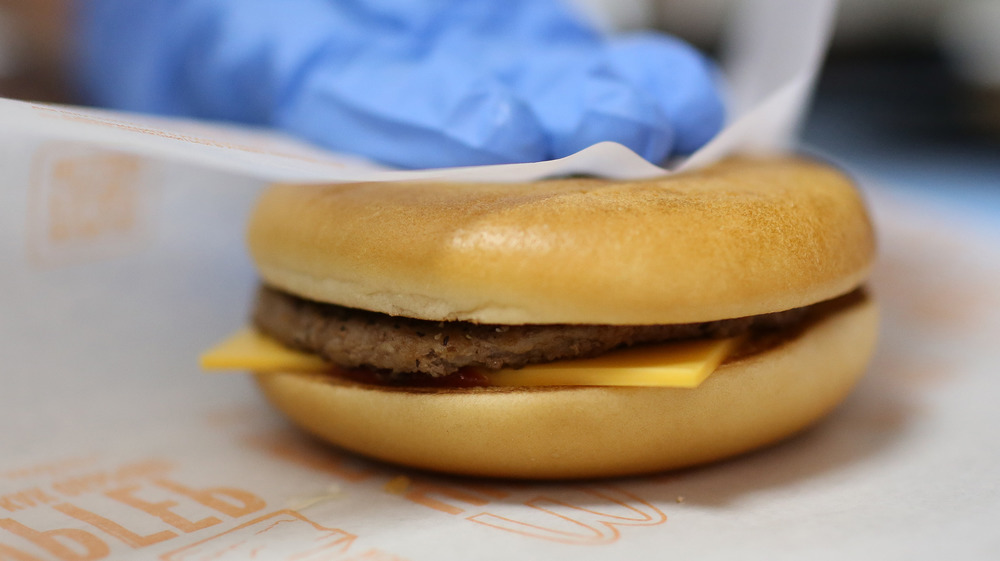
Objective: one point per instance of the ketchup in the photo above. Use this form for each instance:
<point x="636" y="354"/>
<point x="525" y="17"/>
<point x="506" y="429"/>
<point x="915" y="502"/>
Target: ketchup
<point x="464" y="378"/>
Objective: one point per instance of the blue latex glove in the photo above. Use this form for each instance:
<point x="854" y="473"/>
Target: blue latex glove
<point x="415" y="83"/>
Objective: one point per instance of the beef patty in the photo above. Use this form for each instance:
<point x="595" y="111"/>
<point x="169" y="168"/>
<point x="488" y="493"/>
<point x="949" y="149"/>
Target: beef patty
<point x="355" y="338"/>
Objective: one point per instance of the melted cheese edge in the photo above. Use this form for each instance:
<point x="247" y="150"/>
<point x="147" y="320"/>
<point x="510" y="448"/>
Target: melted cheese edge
<point x="682" y="364"/>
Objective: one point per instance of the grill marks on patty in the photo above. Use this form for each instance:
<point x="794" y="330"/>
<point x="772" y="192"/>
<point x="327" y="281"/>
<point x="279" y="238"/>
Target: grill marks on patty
<point x="357" y="338"/>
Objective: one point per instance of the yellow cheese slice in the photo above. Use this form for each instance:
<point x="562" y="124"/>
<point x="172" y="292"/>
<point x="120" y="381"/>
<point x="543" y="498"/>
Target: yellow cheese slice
<point x="683" y="364"/>
<point x="248" y="349"/>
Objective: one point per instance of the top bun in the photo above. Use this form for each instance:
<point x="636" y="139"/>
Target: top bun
<point x="741" y="238"/>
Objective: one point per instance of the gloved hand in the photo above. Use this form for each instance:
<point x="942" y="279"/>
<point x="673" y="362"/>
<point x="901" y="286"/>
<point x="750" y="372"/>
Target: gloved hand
<point x="414" y="83"/>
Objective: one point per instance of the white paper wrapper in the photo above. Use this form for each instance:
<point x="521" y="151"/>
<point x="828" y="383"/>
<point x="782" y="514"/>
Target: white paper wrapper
<point x="118" y="447"/>
<point x="122" y="257"/>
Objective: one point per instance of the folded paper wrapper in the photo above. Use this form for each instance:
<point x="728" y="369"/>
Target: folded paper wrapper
<point x="122" y="258"/>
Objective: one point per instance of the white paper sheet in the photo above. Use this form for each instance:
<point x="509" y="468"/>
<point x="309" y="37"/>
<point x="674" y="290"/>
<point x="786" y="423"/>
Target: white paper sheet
<point x="120" y="448"/>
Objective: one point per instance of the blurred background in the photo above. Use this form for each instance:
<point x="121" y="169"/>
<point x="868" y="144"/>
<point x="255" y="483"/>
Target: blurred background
<point x="910" y="94"/>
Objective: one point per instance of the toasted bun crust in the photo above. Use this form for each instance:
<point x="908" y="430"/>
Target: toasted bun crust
<point x="578" y="432"/>
<point x="742" y="238"/>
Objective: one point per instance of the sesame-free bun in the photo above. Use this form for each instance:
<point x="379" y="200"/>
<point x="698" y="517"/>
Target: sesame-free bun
<point x="741" y="238"/>
<point x="580" y="432"/>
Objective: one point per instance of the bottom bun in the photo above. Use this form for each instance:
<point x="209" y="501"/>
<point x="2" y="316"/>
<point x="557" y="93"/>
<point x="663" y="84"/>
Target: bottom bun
<point x="582" y="432"/>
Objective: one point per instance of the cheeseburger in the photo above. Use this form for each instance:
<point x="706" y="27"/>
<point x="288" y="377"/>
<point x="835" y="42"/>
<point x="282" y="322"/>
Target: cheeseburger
<point x="566" y="328"/>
